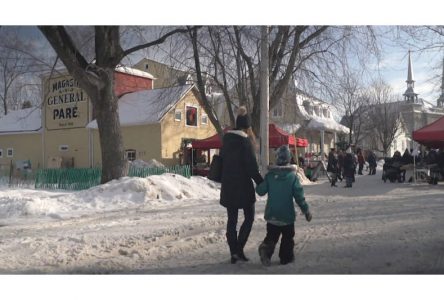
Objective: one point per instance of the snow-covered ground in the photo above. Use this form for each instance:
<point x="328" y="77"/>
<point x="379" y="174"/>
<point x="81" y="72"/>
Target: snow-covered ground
<point x="172" y="225"/>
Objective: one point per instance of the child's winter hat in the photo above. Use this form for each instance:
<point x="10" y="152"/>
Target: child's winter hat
<point x="283" y="155"/>
<point x="242" y="120"/>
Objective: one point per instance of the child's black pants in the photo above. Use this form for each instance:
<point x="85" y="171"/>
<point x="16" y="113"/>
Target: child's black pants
<point x="287" y="243"/>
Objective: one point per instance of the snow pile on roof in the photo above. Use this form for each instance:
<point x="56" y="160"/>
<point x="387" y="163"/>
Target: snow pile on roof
<point x="21" y="121"/>
<point x="319" y="123"/>
<point x="152" y="163"/>
<point x="429" y="107"/>
<point x="147" y="106"/>
<point x="326" y="124"/>
<point x="290" y="128"/>
<point x="135" y="72"/>
<point x="126" y="192"/>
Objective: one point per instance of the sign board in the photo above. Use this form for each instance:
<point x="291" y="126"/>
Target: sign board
<point x="66" y="104"/>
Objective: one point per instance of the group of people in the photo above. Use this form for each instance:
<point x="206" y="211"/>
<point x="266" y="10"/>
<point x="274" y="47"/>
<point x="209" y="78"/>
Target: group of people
<point x="432" y="159"/>
<point x="342" y="165"/>
<point x="239" y="170"/>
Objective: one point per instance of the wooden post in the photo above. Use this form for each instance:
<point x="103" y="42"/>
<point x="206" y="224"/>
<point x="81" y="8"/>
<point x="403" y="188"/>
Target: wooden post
<point x="264" y="101"/>
<point x="11" y="170"/>
<point x="296" y="150"/>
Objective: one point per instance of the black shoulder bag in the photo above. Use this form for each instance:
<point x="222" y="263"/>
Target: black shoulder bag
<point x="215" y="172"/>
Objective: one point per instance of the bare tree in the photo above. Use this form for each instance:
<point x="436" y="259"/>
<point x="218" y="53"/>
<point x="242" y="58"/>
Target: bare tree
<point x="351" y="99"/>
<point x="15" y="66"/>
<point x="231" y="56"/>
<point x="312" y="55"/>
<point x="384" y="117"/>
<point x="97" y="79"/>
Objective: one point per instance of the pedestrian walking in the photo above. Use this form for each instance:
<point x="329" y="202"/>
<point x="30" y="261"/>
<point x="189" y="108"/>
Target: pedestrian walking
<point x="239" y="167"/>
<point x="282" y="185"/>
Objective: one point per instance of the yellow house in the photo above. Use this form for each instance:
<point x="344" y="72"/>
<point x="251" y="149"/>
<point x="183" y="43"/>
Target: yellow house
<point x="157" y="123"/>
<point x="21" y="139"/>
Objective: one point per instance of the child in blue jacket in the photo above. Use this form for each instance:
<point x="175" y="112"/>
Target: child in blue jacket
<point x="282" y="185"/>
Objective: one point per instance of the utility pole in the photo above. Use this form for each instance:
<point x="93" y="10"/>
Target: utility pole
<point x="264" y="86"/>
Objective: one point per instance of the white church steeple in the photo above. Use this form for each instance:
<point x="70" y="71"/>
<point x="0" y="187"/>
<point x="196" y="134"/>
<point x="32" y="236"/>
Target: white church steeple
<point x="440" y="101"/>
<point x="410" y="95"/>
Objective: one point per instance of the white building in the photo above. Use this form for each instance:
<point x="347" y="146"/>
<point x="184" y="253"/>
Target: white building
<point x="414" y="113"/>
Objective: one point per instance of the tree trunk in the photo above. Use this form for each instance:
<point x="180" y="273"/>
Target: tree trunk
<point x="97" y="79"/>
<point x="5" y="103"/>
<point x="256" y="118"/>
<point x="114" y="164"/>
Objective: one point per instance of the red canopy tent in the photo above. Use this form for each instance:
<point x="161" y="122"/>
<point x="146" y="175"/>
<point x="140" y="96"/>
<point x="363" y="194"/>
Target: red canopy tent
<point x="277" y="138"/>
<point x="301" y="142"/>
<point x="212" y="142"/>
<point x="431" y="135"/>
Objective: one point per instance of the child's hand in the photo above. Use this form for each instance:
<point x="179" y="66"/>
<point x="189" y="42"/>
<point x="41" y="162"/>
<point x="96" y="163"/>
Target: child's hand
<point x="308" y="216"/>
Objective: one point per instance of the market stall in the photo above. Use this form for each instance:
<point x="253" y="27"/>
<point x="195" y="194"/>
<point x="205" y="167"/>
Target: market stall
<point x="277" y="138"/>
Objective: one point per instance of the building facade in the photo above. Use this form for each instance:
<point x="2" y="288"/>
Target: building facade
<point x="308" y="117"/>
<point x="165" y="75"/>
<point x="157" y="123"/>
<point x="62" y="134"/>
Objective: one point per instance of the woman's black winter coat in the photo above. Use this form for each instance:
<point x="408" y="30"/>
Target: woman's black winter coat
<point x="332" y="165"/>
<point x="349" y="165"/>
<point x="239" y="166"/>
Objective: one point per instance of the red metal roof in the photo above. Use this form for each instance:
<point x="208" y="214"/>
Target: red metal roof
<point x="431" y="135"/>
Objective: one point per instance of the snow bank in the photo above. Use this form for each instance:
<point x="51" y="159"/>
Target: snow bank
<point x="149" y="164"/>
<point x="302" y="178"/>
<point x="124" y="193"/>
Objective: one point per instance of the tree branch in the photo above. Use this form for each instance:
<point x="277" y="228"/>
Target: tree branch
<point x="69" y="54"/>
<point x="158" y="41"/>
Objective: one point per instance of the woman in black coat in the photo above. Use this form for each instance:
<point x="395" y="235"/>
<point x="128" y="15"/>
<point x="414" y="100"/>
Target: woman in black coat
<point x="239" y="166"/>
<point x="349" y="168"/>
<point x="332" y="166"/>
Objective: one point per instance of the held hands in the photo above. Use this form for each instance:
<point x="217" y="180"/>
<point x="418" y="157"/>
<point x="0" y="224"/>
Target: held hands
<point x="308" y="216"/>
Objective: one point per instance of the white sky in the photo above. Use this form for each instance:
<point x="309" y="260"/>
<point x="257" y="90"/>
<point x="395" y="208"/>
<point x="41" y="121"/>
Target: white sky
<point x="176" y="12"/>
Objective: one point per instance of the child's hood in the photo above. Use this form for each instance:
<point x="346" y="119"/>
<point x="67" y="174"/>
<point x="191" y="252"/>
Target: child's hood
<point x="281" y="172"/>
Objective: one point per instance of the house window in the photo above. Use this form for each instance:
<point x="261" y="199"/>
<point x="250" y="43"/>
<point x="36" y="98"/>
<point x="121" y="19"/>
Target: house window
<point x="278" y="110"/>
<point x="10" y="152"/>
<point x="1" y="153"/>
<point x="316" y="108"/>
<point x="325" y="112"/>
<point x="306" y="105"/>
<point x="191" y="116"/>
<point x="189" y="79"/>
<point x="130" y="154"/>
<point x="178" y="115"/>
<point x="204" y="119"/>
